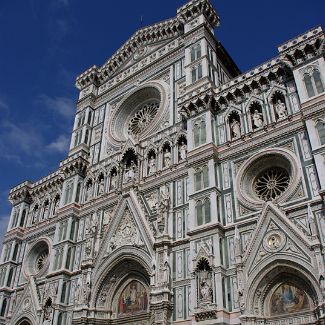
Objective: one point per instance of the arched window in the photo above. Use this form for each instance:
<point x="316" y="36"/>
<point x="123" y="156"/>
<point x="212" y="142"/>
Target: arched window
<point x="22" y="220"/>
<point x="3" y="308"/>
<point x="89" y="118"/>
<point x="68" y="260"/>
<point x="199" y="130"/>
<point x="11" y="272"/>
<point x="309" y="85"/>
<point x="318" y="82"/>
<point x="195" y="52"/>
<point x="196" y="72"/>
<point x="60" y="319"/>
<point x="320" y="127"/>
<point x="203" y="212"/>
<point x="14" y="255"/>
<point x="201" y="177"/>
<point x="313" y="82"/>
<point x="63" y="292"/>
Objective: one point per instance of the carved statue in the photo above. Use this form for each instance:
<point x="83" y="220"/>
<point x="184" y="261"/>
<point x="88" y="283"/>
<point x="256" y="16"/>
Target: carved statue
<point x="153" y="275"/>
<point x="101" y="187"/>
<point x="46" y="211"/>
<point x="206" y="292"/>
<point x="280" y="109"/>
<point x="152" y="165"/>
<point x="152" y="201"/>
<point x="89" y="192"/>
<point x="167" y="158"/>
<point x="235" y="129"/>
<point x="131" y="172"/>
<point x="86" y="293"/>
<point x="164" y="207"/>
<point x="114" y="181"/>
<point x="257" y="118"/>
<point x="183" y="151"/>
<point x="166" y="272"/>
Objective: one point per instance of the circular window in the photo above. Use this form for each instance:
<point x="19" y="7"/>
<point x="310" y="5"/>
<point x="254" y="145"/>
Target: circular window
<point x="271" y="175"/>
<point x="143" y="118"/>
<point x="140" y="114"/>
<point x="37" y="259"/>
<point x="271" y="183"/>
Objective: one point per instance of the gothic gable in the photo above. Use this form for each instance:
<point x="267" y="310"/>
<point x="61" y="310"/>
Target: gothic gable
<point x="276" y="236"/>
<point x="129" y="227"/>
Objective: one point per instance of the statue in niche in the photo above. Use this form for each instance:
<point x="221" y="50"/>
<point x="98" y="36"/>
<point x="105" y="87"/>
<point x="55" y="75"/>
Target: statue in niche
<point x="206" y="292"/>
<point x="257" y="118"/>
<point x="235" y="129"/>
<point x="163" y="208"/>
<point x="183" y="151"/>
<point x="56" y="205"/>
<point x="130" y="171"/>
<point x="152" y="165"/>
<point x="101" y="186"/>
<point x="86" y="293"/>
<point x="280" y="109"/>
<point x="167" y="157"/>
<point x="114" y="180"/>
<point x="88" y="191"/>
<point x="46" y="211"/>
<point x="166" y="272"/>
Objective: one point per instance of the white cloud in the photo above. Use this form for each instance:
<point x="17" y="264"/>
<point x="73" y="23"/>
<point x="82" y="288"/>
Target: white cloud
<point x="62" y="105"/>
<point x="61" y="144"/>
<point x="20" y="137"/>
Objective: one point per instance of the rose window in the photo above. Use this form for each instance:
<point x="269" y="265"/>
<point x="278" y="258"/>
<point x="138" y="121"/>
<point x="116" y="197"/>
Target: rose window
<point x="143" y="118"/>
<point x="271" y="183"/>
<point x="41" y="260"/>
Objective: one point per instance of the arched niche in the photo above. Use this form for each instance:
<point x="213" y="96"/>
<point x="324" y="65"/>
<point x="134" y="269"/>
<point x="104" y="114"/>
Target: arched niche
<point x="124" y="292"/>
<point x="283" y="290"/>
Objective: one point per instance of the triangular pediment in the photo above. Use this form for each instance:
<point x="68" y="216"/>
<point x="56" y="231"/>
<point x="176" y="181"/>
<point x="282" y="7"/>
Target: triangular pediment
<point x="276" y="236"/>
<point x="143" y="52"/>
<point x="25" y="305"/>
<point x="128" y="227"/>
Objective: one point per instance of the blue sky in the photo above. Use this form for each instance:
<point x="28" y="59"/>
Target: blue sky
<point x="45" y="44"/>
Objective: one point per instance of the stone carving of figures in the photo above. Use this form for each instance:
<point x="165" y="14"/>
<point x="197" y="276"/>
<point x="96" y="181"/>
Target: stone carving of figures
<point x="280" y="109"/>
<point x="101" y="187"/>
<point x="153" y="275"/>
<point x="112" y="244"/>
<point x="164" y="207"/>
<point x="235" y="129"/>
<point x="152" y="165"/>
<point x="167" y="158"/>
<point x="46" y="211"/>
<point x="183" y="151"/>
<point x="153" y="201"/>
<point x="56" y="206"/>
<point x="130" y="172"/>
<point x="166" y="272"/>
<point x="206" y="291"/>
<point x="257" y="118"/>
<point x="114" y="181"/>
<point x="322" y="284"/>
<point x="88" y="191"/>
<point x="86" y="293"/>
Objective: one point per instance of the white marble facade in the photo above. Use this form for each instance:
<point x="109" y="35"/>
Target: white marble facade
<point x="191" y="194"/>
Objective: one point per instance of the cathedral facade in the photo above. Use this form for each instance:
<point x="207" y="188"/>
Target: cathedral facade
<point x="191" y="193"/>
